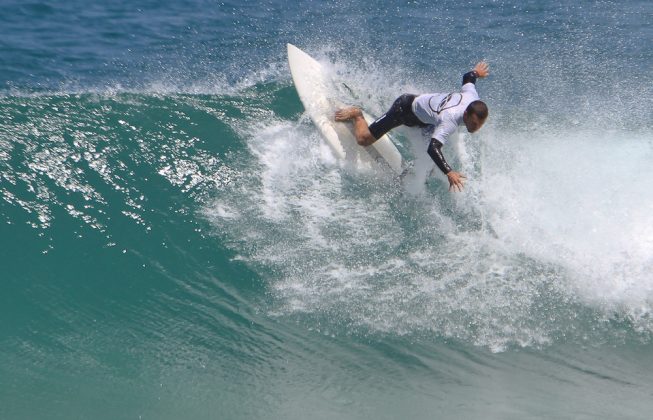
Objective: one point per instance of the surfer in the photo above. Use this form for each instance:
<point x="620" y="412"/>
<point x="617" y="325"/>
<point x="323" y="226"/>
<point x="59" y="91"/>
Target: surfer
<point x="440" y="113"/>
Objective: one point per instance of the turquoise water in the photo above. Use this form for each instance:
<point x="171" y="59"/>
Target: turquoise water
<point x="177" y="241"/>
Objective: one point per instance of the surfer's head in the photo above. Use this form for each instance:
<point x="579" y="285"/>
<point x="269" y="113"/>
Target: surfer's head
<point x="475" y="115"/>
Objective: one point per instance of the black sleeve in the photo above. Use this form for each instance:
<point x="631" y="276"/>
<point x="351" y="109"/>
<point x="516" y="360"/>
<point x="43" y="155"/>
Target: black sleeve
<point x="470" y="77"/>
<point x="437" y="156"/>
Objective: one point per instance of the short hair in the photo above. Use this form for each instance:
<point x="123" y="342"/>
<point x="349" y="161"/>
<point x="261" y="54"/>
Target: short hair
<point x="478" y="108"/>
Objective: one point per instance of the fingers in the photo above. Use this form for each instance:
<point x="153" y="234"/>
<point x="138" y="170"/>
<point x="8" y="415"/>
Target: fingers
<point x="456" y="181"/>
<point x="482" y="68"/>
<point x="456" y="186"/>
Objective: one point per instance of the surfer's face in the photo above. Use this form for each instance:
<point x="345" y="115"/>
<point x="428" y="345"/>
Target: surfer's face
<point x="472" y="122"/>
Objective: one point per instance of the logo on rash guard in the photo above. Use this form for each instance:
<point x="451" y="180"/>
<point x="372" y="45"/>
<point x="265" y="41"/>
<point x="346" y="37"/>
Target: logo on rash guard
<point x="450" y="101"/>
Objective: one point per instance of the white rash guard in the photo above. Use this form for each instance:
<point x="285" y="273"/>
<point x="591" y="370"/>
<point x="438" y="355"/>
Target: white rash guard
<point x="444" y="110"/>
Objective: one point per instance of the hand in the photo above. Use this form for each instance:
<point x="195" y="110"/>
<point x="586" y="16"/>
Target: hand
<point x="482" y="69"/>
<point x="456" y="181"/>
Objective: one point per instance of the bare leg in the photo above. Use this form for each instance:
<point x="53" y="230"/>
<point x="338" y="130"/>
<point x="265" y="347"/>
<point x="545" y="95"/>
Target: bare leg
<point x="361" y="130"/>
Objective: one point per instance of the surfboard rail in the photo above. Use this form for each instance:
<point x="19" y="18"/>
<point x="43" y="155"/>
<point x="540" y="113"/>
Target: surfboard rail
<point x="315" y="88"/>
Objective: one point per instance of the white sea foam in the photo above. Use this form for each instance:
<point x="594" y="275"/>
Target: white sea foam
<point x="582" y="201"/>
<point x="554" y="220"/>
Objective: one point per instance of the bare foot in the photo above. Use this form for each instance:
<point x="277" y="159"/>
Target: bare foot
<point x="349" y="113"/>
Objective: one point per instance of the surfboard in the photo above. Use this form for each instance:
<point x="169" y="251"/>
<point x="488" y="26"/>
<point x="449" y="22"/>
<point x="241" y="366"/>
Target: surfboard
<point x="318" y="92"/>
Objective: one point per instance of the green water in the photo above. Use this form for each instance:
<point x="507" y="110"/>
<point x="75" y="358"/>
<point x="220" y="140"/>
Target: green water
<point x="132" y="288"/>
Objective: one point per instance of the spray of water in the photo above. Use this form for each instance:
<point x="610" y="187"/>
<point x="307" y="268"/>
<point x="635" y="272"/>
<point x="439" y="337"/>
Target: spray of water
<point x="552" y="235"/>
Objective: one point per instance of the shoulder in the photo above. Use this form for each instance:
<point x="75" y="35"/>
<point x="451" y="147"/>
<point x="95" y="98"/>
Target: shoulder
<point x="445" y="129"/>
<point x="469" y="89"/>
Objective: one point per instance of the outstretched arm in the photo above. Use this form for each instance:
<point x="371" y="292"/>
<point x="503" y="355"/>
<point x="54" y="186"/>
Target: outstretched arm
<point x="481" y="69"/>
<point x="456" y="179"/>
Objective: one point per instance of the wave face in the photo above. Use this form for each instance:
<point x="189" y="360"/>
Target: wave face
<point x="178" y="241"/>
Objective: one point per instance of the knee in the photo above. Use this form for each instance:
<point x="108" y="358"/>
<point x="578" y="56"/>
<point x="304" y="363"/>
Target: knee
<point x="366" y="139"/>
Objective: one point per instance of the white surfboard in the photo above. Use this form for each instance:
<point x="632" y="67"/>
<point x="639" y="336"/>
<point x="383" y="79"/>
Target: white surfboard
<point x="317" y="92"/>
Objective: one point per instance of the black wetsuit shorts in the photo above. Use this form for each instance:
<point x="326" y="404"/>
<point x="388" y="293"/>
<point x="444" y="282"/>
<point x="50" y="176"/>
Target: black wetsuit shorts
<point x="400" y="113"/>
